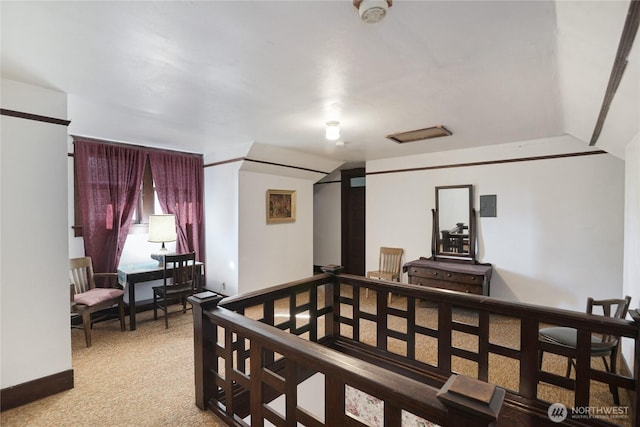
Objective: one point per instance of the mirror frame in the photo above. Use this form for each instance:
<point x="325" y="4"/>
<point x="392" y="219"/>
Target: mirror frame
<point x="436" y="239"/>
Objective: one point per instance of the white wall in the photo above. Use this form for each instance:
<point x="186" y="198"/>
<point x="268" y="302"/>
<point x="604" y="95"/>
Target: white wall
<point x="271" y="254"/>
<point x="327" y="222"/>
<point x="76" y="244"/>
<point x="221" y="213"/>
<point x="34" y="283"/>
<point x="558" y="234"/>
<point x="631" y="279"/>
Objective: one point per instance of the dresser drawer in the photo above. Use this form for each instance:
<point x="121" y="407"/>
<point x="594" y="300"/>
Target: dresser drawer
<point x="429" y="273"/>
<point x="432" y="273"/>
<point x="471" y="279"/>
<point x="444" y="284"/>
<point x="463" y="287"/>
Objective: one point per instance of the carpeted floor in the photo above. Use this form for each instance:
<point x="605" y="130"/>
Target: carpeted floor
<point x="132" y="378"/>
<point x="145" y="377"/>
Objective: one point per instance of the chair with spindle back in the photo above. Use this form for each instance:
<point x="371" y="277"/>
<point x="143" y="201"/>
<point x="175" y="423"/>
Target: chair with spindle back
<point x="389" y="265"/>
<point x="87" y="298"/>
<point x="601" y="345"/>
<point x="179" y="282"/>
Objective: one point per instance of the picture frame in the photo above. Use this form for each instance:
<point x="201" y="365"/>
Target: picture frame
<point x="281" y="206"/>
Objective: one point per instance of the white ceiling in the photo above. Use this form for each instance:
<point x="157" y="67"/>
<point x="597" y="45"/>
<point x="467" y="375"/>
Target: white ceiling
<point x="205" y="76"/>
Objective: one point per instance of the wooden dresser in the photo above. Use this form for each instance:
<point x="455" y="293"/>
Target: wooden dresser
<point x="455" y="276"/>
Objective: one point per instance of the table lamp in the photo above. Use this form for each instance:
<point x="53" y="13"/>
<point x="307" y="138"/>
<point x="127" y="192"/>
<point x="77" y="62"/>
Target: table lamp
<point x="162" y="228"/>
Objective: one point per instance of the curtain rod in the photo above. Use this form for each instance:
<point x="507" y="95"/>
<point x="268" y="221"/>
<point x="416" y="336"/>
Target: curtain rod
<point x="121" y="143"/>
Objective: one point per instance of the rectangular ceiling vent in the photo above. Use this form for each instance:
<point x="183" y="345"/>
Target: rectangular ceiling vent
<point x="419" y="135"/>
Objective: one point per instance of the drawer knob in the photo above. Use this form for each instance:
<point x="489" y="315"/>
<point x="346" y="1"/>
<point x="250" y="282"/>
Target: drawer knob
<point x="435" y="273"/>
<point x="473" y="277"/>
<point x="467" y="290"/>
<point x="448" y="274"/>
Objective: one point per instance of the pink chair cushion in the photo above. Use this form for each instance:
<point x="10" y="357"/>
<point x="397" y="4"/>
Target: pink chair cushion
<point x="97" y="295"/>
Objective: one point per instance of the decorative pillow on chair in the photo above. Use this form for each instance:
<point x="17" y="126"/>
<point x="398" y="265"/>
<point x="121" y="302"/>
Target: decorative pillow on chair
<point x="97" y="295"/>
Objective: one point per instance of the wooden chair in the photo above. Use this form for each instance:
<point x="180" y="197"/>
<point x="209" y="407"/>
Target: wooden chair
<point x="87" y="298"/>
<point x="601" y="345"/>
<point x="179" y="281"/>
<point x="388" y="267"/>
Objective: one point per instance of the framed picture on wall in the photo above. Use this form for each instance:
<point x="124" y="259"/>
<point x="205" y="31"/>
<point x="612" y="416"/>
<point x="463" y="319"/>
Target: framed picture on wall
<point x="281" y="206"/>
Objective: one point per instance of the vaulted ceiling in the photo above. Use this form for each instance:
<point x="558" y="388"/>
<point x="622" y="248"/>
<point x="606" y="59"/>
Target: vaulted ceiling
<point x="208" y="76"/>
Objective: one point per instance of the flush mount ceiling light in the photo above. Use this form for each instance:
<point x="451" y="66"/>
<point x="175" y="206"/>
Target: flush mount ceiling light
<point x="419" y="135"/>
<point x="332" y="132"/>
<point x="372" y="11"/>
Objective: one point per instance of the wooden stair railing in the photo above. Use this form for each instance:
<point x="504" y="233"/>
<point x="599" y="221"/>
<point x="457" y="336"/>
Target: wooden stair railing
<point x="279" y="361"/>
<point x="327" y="309"/>
<point x="530" y="318"/>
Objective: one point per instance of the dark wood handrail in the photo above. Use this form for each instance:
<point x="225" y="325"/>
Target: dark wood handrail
<point x="400" y="391"/>
<point x="274" y="292"/>
<point x="555" y="316"/>
<point x="341" y="309"/>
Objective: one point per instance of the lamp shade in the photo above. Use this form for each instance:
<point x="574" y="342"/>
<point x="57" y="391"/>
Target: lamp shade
<point x="162" y="228"/>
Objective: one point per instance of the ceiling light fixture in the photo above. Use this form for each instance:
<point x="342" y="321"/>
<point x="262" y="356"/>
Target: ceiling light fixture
<point x="332" y="132"/>
<point x="372" y="11"/>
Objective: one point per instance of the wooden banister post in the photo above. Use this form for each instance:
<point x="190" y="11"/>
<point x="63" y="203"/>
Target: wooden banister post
<point x="332" y="326"/>
<point x="201" y="350"/>
<point x="471" y="402"/>
<point x="332" y="269"/>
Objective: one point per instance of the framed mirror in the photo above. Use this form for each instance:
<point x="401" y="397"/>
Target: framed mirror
<point x="454" y="223"/>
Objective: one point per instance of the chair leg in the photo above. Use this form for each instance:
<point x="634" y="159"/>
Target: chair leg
<point x="366" y="292"/>
<point x="569" y="362"/>
<point x="166" y="315"/>
<point x="86" y="323"/>
<point x="121" y="312"/>
<point x="390" y="293"/>
<point x="540" y="355"/>
<point x="614" y="363"/>
<point x="155" y="306"/>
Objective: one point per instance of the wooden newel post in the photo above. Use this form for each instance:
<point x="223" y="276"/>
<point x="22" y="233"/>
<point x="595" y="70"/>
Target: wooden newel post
<point x="471" y="402"/>
<point x="331" y="299"/>
<point x="332" y="269"/>
<point x="201" y="345"/>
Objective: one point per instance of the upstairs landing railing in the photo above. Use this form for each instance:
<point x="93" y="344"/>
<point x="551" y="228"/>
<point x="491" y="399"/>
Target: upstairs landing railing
<point x="248" y="351"/>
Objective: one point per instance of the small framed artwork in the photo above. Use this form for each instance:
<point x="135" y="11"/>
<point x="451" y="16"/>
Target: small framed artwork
<point x="281" y="206"/>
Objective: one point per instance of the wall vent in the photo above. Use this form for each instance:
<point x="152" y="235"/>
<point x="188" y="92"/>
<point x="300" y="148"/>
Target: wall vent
<point x="419" y="135"/>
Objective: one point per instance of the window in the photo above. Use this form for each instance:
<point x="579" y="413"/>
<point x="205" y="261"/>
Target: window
<point x="148" y="203"/>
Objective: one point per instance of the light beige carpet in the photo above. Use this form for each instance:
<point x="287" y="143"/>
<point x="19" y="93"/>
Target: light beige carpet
<point x="132" y="378"/>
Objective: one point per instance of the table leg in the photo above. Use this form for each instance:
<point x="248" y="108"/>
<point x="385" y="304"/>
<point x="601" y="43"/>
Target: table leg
<point x="132" y="306"/>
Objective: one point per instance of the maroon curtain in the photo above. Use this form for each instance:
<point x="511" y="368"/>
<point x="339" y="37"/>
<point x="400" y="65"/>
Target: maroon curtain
<point x="179" y="183"/>
<point x="108" y="178"/>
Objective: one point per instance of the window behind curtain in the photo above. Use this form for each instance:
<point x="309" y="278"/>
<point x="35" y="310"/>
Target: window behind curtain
<point x="170" y="182"/>
<point x="179" y="181"/>
<point x="108" y="182"/>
